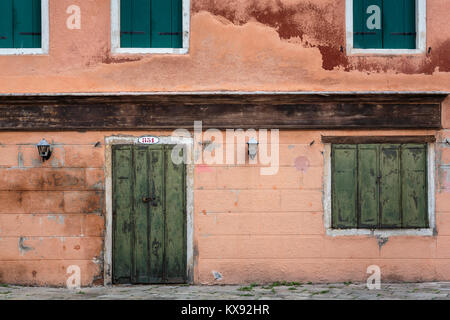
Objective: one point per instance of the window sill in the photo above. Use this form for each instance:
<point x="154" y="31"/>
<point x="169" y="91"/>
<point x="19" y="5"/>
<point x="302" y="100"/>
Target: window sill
<point x="384" y="52"/>
<point x="380" y="232"/>
<point x="150" y="51"/>
<point x="23" y="51"/>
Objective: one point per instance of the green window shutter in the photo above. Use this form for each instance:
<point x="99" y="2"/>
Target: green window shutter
<point x="166" y="23"/>
<point x="6" y="24"/>
<point x="126" y="27"/>
<point x="27" y="23"/>
<point x="399" y="24"/>
<point x="135" y="23"/>
<point x="151" y="23"/>
<point x="389" y="181"/>
<point x="414" y="186"/>
<point x="368" y="182"/>
<point x="344" y="186"/>
<point x="363" y="37"/>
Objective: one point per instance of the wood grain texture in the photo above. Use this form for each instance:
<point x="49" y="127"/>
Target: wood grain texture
<point x="283" y="111"/>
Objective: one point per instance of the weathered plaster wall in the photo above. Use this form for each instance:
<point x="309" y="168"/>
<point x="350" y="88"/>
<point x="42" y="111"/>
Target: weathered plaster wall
<point x="247" y="227"/>
<point x="242" y="45"/>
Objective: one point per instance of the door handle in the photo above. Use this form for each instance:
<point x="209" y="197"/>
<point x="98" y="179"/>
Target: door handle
<point x="153" y="200"/>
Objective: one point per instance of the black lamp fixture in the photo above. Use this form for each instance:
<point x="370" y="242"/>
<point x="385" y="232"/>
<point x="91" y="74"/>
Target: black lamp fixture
<point x="44" y="150"/>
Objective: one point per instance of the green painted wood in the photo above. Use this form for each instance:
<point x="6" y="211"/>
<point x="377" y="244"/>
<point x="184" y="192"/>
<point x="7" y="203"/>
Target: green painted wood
<point x="6" y="24"/>
<point x="414" y="185"/>
<point x="149" y="216"/>
<point x="344" y="186"/>
<point x="399" y="24"/>
<point x="368" y="191"/>
<point x="141" y="23"/>
<point x="161" y="21"/>
<point x="122" y="214"/>
<point x="390" y="186"/>
<point x="126" y="26"/>
<point x="27" y="26"/>
<point x="141" y="212"/>
<point x="363" y="37"/>
<point x="37" y="24"/>
<point x="175" y="254"/>
<point x="157" y="216"/>
<point x="177" y="24"/>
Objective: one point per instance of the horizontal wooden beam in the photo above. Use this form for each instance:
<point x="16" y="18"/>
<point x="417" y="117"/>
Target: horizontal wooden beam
<point x="282" y="111"/>
<point x="377" y="139"/>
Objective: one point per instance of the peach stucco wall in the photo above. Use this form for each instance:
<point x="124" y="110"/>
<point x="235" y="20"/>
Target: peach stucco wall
<point x="246" y="45"/>
<point x="247" y="227"/>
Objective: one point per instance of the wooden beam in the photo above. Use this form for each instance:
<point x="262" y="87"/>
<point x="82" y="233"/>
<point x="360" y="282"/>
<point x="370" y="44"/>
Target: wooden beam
<point x="282" y="111"/>
<point x="377" y="139"/>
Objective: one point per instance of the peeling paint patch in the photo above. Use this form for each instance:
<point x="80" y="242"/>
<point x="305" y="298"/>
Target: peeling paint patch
<point x="217" y="275"/>
<point x="382" y="241"/>
<point x="22" y="248"/>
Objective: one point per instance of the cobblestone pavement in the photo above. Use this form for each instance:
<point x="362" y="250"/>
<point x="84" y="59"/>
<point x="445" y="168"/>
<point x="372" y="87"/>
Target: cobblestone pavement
<point x="277" y="291"/>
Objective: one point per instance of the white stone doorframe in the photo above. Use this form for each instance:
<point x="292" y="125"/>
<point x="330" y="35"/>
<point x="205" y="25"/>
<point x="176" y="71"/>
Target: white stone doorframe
<point x="107" y="248"/>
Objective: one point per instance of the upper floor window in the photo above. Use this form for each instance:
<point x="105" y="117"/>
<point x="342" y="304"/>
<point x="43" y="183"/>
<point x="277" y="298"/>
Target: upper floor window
<point x="23" y="26"/>
<point x="386" y="26"/>
<point x="150" y="26"/>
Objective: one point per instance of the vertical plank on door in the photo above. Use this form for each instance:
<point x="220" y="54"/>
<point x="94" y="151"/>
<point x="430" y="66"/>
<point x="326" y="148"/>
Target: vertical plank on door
<point x="156" y="187"/>
<point x="344" y="186"/>
<point x="368" y="185"/>
<point x="414" y="182"/>
<point x="141" y="212"/>
<point x="175" y="220"/>
<point x="122" y="214"/>
<point x="390" y="187"/>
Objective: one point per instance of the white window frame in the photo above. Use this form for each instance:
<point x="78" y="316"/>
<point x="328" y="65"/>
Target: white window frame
<point x="421" y="33"/>
<point x="383" y="233"/>
<point x="115" y="33"/>
<point x="44" y="36"/>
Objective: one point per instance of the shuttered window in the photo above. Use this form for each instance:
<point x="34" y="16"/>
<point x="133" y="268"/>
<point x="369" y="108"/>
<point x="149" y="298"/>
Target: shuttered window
<point x="379" y="186"/>
<point x="151" y="24"/>
<point x="384" y="24"/>
<point x="20" y="24"/>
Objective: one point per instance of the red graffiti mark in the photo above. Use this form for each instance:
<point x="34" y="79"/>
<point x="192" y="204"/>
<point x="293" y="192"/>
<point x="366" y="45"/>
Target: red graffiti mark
<point x="301" y="163"/>
<point x="203" y="168"/>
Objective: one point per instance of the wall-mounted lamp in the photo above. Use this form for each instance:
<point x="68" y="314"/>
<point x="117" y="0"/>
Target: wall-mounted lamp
<point x="44" y="149"/>
<point x="252" y="148"/>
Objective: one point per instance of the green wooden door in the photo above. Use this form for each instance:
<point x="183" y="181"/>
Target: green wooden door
<point x="149" y="221"/>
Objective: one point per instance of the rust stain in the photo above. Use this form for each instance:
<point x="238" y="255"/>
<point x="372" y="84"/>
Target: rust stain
<point x="322" y="25"/>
